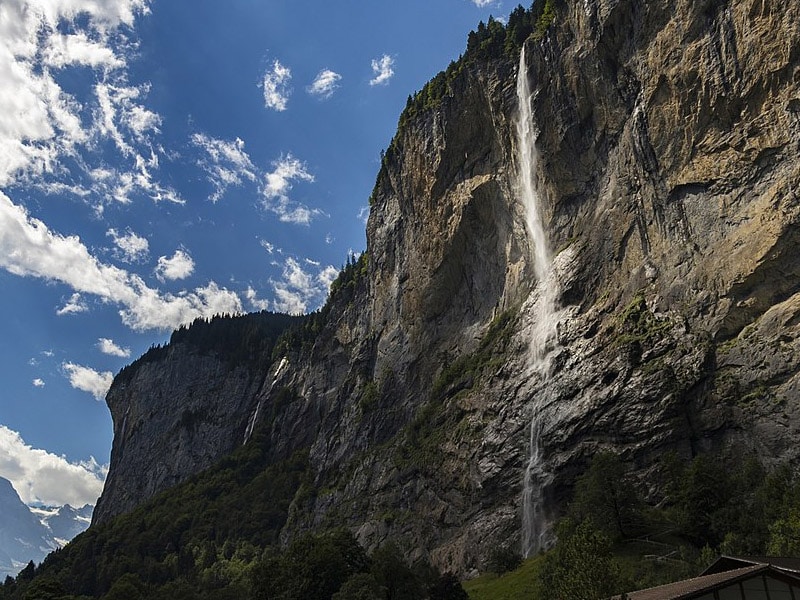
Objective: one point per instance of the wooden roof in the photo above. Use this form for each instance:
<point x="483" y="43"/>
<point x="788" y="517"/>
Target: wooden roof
<point x="728" y="563"/>
<point x="697" y="586"/>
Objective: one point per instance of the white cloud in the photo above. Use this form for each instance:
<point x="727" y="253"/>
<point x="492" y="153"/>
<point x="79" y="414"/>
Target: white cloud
<point x="383" y="70"/>
<point x="325" y="84"/>
<point x="141" y="121"/>
<point x="227" y="163"/>
<point x="277" y="185"/>
<point x="42" y="477"/>
<point x="131" y="248"/>
<point x="75" y="305"/>
<point x="256" y="303"/>
<point x="116" y="104"/>
<point x="78" y="49"/>
<point x="269" y="247"/>
<point x="152" y="310"/>
<point x="482" y="3"/>
<point x="276" y="86"/>
<point x="108" y="346"/>
<point x="279" y="181"/>
<point x="39" y="121"/>
<point x="327" y="276"/>
<point x="363" y="214"/>
<point x="38" y="382"/>
<point x="121" y="118"/>
<point x="179" y="266"/>
<point x="298" y="290"/>
<point x="45" y="132"/>
<point x="124" y="186"/>
<point x="29" y="248"/>
<point x="87" y="379"/>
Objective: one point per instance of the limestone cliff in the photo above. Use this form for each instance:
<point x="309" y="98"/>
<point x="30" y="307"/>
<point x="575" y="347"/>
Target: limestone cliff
<point x="668" y="146"/>
<point x="180" y="408"/>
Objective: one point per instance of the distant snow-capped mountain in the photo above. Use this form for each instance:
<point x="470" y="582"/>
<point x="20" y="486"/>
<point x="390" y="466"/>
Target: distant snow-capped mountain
<point x="65" y="522"/>
<point x="31" y="533"/>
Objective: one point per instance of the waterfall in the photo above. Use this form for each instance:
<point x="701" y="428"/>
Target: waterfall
<point x="251" y="423"/>
<point x="545" y="316"/>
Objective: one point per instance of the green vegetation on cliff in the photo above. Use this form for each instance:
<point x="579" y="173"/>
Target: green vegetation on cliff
<point x="240" y="340"/>
<point x="491" y="41"/>
<point x="441" y="418"/>
<point x="199" y="537"/>
<point x="217" y="537"/>
<point x="255" y="339"/>
<point x="301" y="336"/>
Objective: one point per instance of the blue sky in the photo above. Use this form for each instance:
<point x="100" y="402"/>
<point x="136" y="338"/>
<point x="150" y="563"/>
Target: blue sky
<point x="167" y="159"/>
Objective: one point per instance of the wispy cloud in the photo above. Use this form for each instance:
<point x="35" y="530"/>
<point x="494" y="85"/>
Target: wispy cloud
<point x="87" y="379"/>
<point x="42" y="477"/>
<point x="123" y="186"/>
<point x="179" y="266"/>
<point x="46" y="132"/>
<point x="226" y="163"/>
<point x="77" y="49"/>
<point x="299" y="290"/>
<point x="275" y="85"/>
<point x="130" y="248"/>
<point x="107" y="346"/>
<point x="75" y="305"/>
<point x="383" y="69"/>
<point x="278" y="183"/>
<point x="119" y="113"/>
<point x="325" y="84"/>
<point x="29" y="248"/>
<point x="255" y="302"/>
<point x="38" y="382"/>
<point x="482" y="3"/>
<point x="270" y="247"/>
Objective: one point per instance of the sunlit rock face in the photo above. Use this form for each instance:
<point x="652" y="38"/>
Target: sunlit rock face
<point x="668" y="171"/>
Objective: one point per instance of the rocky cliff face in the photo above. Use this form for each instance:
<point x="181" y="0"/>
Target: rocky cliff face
<point x="668" y="146"/>
<point x="173" y="417"/>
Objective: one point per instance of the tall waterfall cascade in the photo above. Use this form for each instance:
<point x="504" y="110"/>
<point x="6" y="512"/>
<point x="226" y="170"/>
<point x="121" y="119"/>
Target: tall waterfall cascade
<point x="545" y="314"/>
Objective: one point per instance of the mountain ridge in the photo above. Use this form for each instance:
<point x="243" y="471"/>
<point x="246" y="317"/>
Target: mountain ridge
<point x="29" y="534"/>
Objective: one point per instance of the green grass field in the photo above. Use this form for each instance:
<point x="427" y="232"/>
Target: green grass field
<point x="520" y="583"/>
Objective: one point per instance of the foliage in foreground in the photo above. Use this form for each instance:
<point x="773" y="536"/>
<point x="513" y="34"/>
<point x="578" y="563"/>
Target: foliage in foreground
<point x="313" y="567"/>
<point x="200" y="536"/>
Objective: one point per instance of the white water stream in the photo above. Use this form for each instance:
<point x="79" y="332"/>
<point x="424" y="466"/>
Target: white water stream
<point x="545" y="318"/>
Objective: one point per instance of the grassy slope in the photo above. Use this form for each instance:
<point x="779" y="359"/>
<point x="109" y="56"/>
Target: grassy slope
<point x="520" y="583"/>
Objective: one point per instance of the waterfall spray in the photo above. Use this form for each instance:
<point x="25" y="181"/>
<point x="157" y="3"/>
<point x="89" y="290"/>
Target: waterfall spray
<point x="545" y="315"/>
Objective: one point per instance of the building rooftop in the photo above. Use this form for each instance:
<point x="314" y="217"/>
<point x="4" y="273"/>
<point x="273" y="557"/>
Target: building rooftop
<point x="725" y="571"/>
